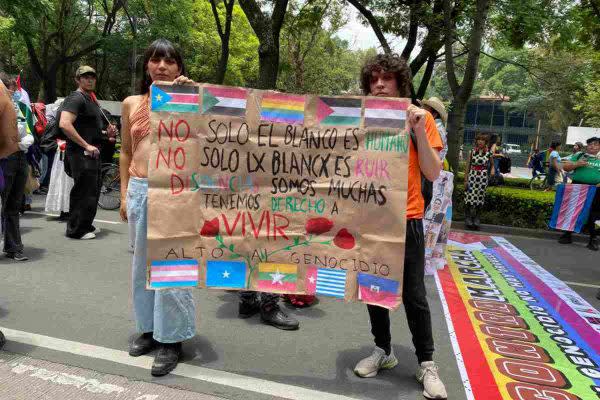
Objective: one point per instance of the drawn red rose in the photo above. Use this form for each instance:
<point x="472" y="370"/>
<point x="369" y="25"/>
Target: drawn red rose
<point x="210" y="228"/>
<point x="317" y="226"/>
<point x="344" y="239"/>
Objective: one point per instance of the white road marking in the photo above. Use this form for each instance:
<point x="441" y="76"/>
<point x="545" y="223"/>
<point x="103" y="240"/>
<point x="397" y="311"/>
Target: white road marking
<point x="56" y="215"/>
<point x="583" y="284"/>
<point x="246" y="383"/>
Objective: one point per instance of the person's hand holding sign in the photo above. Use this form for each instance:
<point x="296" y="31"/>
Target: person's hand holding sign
<point x="415" y="120"/>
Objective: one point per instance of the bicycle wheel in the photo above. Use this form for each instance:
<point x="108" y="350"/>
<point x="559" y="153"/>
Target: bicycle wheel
<point x="538" y="182"/>
<point x="110" y="192"/>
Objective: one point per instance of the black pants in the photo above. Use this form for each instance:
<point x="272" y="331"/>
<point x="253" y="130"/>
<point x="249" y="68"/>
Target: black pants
<point x="594" y="215"/>
<point x="46" y="179"/>
<point x="15" y="177"/>
<point x="85" y="171"/>
<point x="414" y="297"/>
<point x="266" y="299"/>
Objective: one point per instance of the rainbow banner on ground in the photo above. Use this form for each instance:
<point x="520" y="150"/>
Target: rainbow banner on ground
<point x="518" y="332"/>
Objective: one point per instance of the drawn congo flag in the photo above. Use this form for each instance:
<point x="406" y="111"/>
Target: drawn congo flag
<point x="175" y="98"/>
<point x="572" y="205"/>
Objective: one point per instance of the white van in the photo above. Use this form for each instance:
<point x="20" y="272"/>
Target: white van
<point x="512" y="148"/>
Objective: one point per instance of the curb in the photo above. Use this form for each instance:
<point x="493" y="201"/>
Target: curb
<point x="510" y="230"/>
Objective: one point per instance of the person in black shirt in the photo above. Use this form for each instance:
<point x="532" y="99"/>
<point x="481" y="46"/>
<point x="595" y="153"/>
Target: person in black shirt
<point x="81" y="121"/>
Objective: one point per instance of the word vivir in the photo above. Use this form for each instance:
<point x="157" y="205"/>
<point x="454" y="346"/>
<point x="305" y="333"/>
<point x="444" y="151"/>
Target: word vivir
<point x="266" y="225"/>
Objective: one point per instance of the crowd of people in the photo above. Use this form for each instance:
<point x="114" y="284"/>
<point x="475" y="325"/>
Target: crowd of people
<point x="77" y="129"/>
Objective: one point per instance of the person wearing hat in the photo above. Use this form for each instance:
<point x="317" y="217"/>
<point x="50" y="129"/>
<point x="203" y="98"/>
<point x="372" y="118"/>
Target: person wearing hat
<point x="585" y="166"/>
<point x="438" y="110"/>
<point x="81" y="121"/>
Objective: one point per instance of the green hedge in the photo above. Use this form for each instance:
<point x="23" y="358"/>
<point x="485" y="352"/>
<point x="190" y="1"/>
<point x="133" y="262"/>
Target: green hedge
<point x="509" y="206"/>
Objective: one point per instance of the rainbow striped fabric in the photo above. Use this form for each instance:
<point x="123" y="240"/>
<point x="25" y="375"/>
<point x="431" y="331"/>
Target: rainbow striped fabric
<point x="572" y="205"/>
<point x="283" y="108"/>
<point x="173" y="273"/>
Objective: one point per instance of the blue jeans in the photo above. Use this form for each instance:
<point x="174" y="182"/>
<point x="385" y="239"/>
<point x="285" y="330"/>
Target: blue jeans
<point x="169" y="313"/>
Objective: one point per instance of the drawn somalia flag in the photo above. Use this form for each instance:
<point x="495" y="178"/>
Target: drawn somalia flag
<point x="278" y="278"/>
<point x="224" y="101"/>
<point x="572" y="205"/>
<point x="226" y="274"/>
<point x="380" y="113"/>
<point x="173" y="273"/>
<point x="175" y="98"/>
<point x="377" y="290"/>
<point x="338" y="111"/>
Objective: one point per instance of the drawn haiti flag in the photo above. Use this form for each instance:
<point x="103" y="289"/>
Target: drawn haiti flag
<point x="173" y="273"/>
<point x="572" y="205"/>
<point x="175" y="98"/>
<point x="377" y="290"/>
<point x="226" y="274"/>
<point x="283" y="108"/>
<point x="226" y="101"/>
<point x="326" y="281"/>
<point x="338" y="111"/>
<point x="276" y="278"/>
<point x="381" y="113"/>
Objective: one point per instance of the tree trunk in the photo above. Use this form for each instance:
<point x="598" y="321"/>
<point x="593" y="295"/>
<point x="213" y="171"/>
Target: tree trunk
<point x="223" y="59"/>
<point x="268" y="64"/>
<point x="456" y="131"/>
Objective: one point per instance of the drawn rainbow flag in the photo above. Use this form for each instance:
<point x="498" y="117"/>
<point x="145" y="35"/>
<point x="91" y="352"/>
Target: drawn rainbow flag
<point x="283" y="108"/>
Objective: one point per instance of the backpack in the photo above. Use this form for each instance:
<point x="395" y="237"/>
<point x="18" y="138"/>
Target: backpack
<point x="52" y="132"/>
<point x="39" y="111"/>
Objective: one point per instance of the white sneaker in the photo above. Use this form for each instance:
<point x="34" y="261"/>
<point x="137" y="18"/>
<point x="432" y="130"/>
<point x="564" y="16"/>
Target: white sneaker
<point x="88" y="236"/>
<point x="368" y="367"/>
<point x="433" y="387"/>
<point x="96" y="231"/>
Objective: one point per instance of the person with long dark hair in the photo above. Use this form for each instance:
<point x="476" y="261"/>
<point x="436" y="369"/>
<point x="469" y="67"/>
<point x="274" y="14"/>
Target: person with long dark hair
<point x="164" y="318"/>
<point x="389" y="76"/>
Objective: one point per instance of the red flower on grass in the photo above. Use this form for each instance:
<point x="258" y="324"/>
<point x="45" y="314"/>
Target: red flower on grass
<point x="344" y="239"/>
<point x="317" y="226"/>
<point x="210" y="228"/>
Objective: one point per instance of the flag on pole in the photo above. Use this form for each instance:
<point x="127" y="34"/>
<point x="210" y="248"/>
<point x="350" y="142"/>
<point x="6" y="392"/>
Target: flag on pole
<point x="572" y="205"/>
<point x="24" y="103"/>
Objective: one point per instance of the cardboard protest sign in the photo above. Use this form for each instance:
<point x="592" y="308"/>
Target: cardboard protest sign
<point x="436" y="223"/>
<point x="276" y="192"/>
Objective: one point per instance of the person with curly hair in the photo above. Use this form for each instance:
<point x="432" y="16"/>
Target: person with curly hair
<point x="389" y="76"/>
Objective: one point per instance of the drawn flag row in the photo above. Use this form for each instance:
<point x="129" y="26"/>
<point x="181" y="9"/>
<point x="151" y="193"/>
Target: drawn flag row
<point x="280" y="107"/>
<point x="272" y="277"/>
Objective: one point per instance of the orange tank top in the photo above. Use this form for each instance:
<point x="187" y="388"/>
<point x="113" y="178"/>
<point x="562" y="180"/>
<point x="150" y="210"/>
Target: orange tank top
<point x="140" y="129"/>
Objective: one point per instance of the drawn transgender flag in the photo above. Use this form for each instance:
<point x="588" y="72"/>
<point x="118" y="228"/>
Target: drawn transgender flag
<point x="572" y="206"/>
<point x="166" y="274"/>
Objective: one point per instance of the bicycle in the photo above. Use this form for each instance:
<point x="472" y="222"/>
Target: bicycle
<point x="110" y="191"/>
<point x="539" y="182"/>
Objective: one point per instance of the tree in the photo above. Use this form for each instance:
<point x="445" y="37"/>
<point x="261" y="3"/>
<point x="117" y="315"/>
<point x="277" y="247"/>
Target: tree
<point x="224" y="35"/>
<point x="267" y="29"/>
<point x="461" y="92"/>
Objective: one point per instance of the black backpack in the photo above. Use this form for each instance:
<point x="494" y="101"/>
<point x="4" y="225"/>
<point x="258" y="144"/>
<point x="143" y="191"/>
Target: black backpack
<point x="51" y="133"/>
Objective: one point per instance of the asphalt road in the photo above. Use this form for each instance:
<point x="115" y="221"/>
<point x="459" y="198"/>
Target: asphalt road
<point x="78" y="291"/>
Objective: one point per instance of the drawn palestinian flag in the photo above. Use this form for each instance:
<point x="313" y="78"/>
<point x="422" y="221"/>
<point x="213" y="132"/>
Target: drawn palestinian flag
<point x="338" y="111"/>
<point x="224" y="101"/>
<point x="378" y="290"/>
<point x="283" y="108"/>
<point x="173" y="273"/>
<point x="380" y="113"/>
<point x="277" y="278"/>
<point x="175" y="98"/>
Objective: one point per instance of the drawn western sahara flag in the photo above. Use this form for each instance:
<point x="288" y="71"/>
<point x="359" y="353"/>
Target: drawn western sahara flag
<point x="224" y="101"/>
<point x="339" y="111"/>
<point x="226" y="274"/>
<point x="277" y="278"/>
<point x="378" y="290"/>
<point x="572" y="205"/>
<point x="380" y="113"/>
<point x="173" y="273"/>
<point x="175" y="98"/>
<point x="326" y="281"/>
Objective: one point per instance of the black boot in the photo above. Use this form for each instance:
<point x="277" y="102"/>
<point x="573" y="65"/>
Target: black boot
<point x="468" y="218"/>
<point x="166" y="359"/>
<point x="597" y="296"/>
<point x="271" y="314"/>
<point x="2" y="340"/>
<point x="476" y="225"/>
<point x="565" y="238"/>
<point x="248" y="305"/>
<point x="141" y="345"/>
<point x="593" y="244"/>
